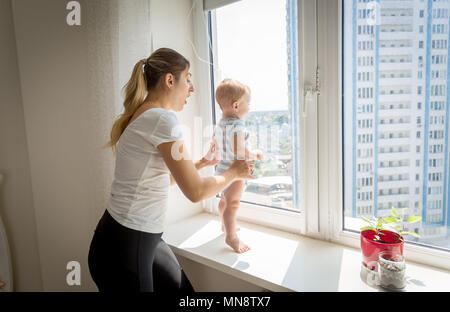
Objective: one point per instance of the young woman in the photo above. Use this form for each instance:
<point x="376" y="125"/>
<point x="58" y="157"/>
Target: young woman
<point x="127" y="252"/>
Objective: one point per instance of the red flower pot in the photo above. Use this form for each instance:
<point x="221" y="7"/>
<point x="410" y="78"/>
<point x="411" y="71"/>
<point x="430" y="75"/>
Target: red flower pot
<point x="370" y="248"/>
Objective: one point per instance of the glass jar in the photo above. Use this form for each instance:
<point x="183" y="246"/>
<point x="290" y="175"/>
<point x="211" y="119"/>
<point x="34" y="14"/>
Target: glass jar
<point x="391" y="269"/>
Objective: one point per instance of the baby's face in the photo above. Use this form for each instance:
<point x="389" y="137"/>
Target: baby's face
<point x="244" y="106"/>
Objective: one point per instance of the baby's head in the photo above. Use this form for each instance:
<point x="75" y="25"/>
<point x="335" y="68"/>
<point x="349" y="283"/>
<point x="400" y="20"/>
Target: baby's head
<point x="233" y="98"/>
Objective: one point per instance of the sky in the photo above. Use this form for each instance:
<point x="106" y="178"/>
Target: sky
<point x="251" y="45"/>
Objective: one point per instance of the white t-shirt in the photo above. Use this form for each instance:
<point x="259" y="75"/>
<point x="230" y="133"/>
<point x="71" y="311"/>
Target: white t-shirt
<point x="139" y="192"/>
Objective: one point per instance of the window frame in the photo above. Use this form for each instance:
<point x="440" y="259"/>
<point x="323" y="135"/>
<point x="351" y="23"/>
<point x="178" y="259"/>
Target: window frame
<point x="290" y="221"/>
<point x="322" y="214"/>
<point x="331" y="169"/>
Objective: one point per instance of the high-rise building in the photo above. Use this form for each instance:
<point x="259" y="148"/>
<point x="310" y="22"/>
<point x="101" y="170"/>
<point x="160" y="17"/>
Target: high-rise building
<point x="396" y="95"/>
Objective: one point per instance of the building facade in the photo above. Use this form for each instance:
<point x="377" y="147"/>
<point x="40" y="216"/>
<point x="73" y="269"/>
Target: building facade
<point x="396" y="95"/>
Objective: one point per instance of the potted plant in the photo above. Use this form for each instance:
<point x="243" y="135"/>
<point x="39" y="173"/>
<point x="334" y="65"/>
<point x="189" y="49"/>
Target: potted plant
<point x="384" y="234"/>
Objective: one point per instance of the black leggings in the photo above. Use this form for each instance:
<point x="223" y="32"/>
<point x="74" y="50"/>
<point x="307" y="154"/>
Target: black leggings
<point x="122" y="259"/>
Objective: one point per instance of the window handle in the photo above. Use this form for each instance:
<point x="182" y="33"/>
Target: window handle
<point x="309" y="92"/>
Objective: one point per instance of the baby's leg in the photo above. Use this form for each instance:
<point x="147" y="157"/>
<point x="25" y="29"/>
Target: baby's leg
<point x="232" y="200"/>
<point x="222" y="206"/>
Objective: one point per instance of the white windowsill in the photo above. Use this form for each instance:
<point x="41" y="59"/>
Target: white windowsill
<point x="282" y="261"/>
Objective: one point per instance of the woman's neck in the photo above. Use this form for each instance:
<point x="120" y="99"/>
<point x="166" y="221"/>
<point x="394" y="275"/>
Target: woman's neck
<point x="157" y="101"/>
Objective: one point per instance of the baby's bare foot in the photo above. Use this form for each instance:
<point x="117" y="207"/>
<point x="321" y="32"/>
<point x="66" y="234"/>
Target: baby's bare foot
<point x="237" y="245"/>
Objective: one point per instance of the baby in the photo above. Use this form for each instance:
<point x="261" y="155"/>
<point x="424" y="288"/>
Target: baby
<point x="231" y="138"/>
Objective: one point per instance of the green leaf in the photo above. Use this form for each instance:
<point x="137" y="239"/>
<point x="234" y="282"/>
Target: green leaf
<point x="367" y="228"/>
<point x="367" y="220"/>
<point x="390" y="220"/>
<point x="414" y="219"/>
<point x="397" y="227"/>
<point x="380" y="223"/>
<point x="394" y="212"/>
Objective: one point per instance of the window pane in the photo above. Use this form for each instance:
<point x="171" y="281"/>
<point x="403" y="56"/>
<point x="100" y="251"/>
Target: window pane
<point x="257" y="45"/>
<point x="396" y="114"/>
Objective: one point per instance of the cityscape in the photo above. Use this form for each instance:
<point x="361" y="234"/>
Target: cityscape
<point x="270" y="131"/>
<point x="396" y="96"/>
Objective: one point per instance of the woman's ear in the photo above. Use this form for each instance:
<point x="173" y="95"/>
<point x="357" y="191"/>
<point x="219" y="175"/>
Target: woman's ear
<point x="169" y="80"/>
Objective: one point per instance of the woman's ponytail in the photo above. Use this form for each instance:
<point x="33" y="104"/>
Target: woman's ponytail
<point x="147" y="74"/>
<point x="135" y="92"/>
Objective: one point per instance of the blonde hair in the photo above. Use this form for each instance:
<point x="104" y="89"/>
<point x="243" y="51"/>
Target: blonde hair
<point x="230" y="91"/>
<point x="145" y="77"/>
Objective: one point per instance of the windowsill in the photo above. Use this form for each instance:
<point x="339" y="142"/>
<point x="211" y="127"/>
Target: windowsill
<point x="282" y="261"/>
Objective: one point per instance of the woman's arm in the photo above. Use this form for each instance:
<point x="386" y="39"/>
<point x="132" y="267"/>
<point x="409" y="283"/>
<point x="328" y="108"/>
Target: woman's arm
<point x="199" y="164"/>
<point x="195" y="187"/>
<point x="210" y="159"/>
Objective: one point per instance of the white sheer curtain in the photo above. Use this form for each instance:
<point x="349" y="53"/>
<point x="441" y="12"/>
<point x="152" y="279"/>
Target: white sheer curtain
<point x="118" y="36"/>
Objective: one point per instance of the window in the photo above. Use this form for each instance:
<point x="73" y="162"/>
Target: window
<point x="272" y="122"/>
<point x="433" y="203"/>
<point x="370" y="143"/>
<point x="277" y="113"/>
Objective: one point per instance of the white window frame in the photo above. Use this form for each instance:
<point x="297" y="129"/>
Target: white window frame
<point x="320" y="42"/>
<point x="330" y="141"/>
<point x="307" y="220"/>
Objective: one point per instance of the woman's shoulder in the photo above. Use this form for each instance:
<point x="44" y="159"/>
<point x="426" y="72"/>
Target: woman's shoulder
<point x="158" y="113"/>
<point x="154" y="118"/>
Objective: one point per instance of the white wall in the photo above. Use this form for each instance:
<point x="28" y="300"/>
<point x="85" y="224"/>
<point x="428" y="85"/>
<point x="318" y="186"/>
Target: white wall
<point x="54" y="78"/>
<point x="16" y="202"/>
<point x="60" y="103"/>
<point x="71" y="79"/>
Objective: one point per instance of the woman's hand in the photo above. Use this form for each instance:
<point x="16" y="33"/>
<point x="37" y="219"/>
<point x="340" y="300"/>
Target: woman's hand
<point x="195" y="187"/>
<point x="212" y="157"/>
<point x="243" y="169"/>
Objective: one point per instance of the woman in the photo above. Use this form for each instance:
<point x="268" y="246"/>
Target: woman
<point x="127" y="252"/>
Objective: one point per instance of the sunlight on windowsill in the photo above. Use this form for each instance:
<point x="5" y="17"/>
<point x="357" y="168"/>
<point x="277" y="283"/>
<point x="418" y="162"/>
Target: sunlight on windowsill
<point x="282" y="261"/>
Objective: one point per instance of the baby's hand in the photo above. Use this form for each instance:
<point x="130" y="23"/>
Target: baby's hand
<point x="212" y="157"/>
<point x="257" y="155"/>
